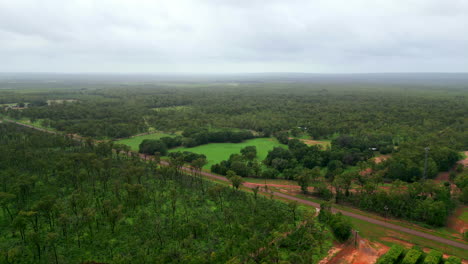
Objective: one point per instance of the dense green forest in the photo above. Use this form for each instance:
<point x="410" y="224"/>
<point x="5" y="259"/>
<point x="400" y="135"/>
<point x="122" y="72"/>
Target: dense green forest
<point x="421" y="200"/>
<point x="66" y="201"/>
<point x="401" y="112"/>
<point x="361" y="120"/>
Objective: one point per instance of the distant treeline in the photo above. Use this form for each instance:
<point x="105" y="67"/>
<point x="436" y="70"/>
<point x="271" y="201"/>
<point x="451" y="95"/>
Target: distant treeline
<point x="399" y="112"/>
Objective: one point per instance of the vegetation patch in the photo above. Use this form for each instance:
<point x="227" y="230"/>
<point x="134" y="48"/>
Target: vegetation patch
<point x="134" y="142"/>
<point x="85" y="203"/>
<point x="216" y="152"/>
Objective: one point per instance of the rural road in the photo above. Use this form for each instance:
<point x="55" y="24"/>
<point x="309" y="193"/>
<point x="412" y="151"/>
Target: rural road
<point x="306" y="202"/>
<point x="350" y="214"/>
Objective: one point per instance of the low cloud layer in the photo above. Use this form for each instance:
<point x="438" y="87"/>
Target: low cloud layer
<point x="154" y="36"/>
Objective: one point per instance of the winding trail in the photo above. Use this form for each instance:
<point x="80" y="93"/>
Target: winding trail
<point x="299" y="200"/>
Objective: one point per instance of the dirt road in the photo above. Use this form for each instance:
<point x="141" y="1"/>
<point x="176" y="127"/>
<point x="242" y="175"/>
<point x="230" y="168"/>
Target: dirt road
<point x="357" y="216"/>
<point x="306" y="202"/>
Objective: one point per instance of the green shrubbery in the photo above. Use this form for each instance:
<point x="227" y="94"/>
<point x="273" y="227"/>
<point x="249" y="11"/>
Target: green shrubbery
<point x="392" y="255"/>
<point x="433" y="257"/>
<point x="397" y="254"/>
<point x="412" y="257"/>
<point x="453" y="260"/>
<point x="340" y="225"/>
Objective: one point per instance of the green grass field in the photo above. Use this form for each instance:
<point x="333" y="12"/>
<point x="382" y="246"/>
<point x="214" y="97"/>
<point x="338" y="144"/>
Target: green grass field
<point x="134" y="142"/>
<point x="216" y="152"/>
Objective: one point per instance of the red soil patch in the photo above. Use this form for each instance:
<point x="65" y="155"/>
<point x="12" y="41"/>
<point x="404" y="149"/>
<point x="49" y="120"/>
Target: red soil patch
<point x="366" y="253"/>
<point x="381" y="158"/>
<point x="331" y="254"/>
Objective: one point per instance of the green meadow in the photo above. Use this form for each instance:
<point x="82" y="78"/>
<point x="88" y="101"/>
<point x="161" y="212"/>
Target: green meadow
<point x="134" y="142"/>
<point x="217" y="152"/>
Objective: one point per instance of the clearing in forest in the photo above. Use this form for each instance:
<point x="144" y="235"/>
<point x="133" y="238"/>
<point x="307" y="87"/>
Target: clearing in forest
<point x="311" y="142"/>
<point x="217" y="152"/>
<point x="135" y="141"/>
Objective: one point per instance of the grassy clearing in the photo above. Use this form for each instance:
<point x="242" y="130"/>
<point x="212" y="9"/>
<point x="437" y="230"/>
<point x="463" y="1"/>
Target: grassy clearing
<point x="134" y="142"/>
<point x="325" y="143"/>
<point x="216" y="152"/>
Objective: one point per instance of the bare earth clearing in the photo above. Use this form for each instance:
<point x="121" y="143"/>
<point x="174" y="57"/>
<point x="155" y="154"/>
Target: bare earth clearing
<point x="366" y="253"/>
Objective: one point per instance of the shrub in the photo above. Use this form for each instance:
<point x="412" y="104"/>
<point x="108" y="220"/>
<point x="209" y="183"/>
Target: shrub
<point x="151" y="146"/>
<point x="341" y="227"/>
<point x="453" y="260"/>
<point x="392" y="255"/>
<point x="412" y="257"/>
<point x="322" y="191"/>
<point x="433" y="257"/>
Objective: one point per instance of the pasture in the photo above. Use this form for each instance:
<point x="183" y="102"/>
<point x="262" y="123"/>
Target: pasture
<point x="135" y="141"/>
<point x="217" y="152"/>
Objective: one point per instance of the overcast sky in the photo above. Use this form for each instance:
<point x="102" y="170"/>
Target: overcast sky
<point x="191" y="36"/>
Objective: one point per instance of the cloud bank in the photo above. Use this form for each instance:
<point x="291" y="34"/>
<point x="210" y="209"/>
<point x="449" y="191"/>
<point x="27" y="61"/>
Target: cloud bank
<point x="154" y="36"/>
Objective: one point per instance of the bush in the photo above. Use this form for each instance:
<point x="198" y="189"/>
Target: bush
<point x="453" y="260"/>
<point x="433" y="257"/>
<point x="392" y="255"/>
<point x="151" y="146"/>
<point x="341" y="227"/>
<point x="386" y="150"/>
<point x="412" y="257"/>
<point x="322" y="191"/>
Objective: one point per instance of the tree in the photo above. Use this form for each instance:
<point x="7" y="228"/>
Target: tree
<point x="304" y="179"/>
<point x="150" y="146"/>
<point x="249" y="152"/>
<point x="462" y="183"/>
<point x="293" y="205"/>
<point x="236" y="181"/>
<point x="6" y="200"/>
<point x="341" y="227"/>
<point x="342" y="182"/>
<point x="198" y="164"/>
<point x="255" y="191"/>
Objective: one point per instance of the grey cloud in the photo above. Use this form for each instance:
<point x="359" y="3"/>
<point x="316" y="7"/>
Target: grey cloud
<point x="234" y="35"/>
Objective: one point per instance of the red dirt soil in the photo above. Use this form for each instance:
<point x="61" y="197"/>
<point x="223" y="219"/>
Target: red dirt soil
<point x="381" y="158"/>
<point x="367" y="253"/>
